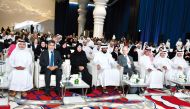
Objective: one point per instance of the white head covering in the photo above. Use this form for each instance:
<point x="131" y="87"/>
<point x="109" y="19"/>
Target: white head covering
<point x="104" y="45"/>
<point x="180" y="61"/>
<point x="162" y="51"/>
<point x="20" y="57"/>
<point x="179" y="51"/>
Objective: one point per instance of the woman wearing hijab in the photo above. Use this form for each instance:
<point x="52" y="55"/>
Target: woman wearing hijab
<point x="133" y="53"/>
<point x="39" y="49"/>
<point x="64" y="51"/>
<point x="79" y="64"/>
<point x="115" y="53"/>
<point x="20" y="77"/>
<point x="43" y="46"/>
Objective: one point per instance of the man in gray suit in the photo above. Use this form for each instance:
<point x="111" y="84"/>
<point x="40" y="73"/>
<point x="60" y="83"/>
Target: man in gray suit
<point x="127" y="62"/>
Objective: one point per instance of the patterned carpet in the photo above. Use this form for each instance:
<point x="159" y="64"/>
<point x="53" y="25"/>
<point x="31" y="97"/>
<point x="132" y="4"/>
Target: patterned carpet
<point x="167" y="102"/>
<point x="40" y="95"/>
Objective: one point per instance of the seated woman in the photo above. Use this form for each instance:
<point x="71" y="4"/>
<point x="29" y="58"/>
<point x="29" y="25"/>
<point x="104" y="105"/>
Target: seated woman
<point x="115" y="52"/>
<point x="79" y="64"/>
<point x="43" y="46"/>
<point x="64" y="51"/>
<point x="133" y="53"/>
<point x="38" y="49"/>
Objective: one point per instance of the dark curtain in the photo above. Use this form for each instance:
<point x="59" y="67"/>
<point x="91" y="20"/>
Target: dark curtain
<point x="160" y="20"/>
<point x="61" y="15"/>
<point x="89" y="19"/>
<point x="66" y="16"/>
<point x="133" y="21"/>
<point x="117" y="18"/>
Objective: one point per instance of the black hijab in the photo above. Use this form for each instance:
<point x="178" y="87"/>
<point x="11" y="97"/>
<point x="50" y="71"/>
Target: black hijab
<point x="133" y="53"/>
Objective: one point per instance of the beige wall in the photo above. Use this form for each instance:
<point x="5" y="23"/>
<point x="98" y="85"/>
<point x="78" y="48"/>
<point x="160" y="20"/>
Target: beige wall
<point x="17" y="11"/>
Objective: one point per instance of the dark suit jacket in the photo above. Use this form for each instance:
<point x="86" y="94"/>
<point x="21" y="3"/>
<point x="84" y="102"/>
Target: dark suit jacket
<point x="44" y="60"/>
<point x="123" y="62"/>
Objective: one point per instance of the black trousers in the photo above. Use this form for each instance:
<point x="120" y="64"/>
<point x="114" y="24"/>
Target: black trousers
<point x="48" y="74"/>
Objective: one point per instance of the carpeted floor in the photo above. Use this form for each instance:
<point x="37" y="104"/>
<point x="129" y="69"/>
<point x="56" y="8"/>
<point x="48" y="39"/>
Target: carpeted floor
<point x="167" y="102"/>
<point x="40" y="95"/>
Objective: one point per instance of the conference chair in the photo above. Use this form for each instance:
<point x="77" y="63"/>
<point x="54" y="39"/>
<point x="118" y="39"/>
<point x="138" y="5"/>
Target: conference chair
<point x="39" y="79"/>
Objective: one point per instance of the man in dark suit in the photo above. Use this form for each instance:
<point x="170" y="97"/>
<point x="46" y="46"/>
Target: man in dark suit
<point x="50" y="62"/>
<point x="126" y="61"/>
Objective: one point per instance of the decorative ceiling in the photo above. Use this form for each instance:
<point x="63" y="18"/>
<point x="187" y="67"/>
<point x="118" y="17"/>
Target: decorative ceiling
<point x="16" y="11"/>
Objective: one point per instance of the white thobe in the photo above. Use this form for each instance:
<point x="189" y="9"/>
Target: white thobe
<point x="95" y="49"/>
<point x="187" y="46"/>
<point x="179" y="45"/>
<point x="88" y="52"/>
<point x="180" y="62"/>
<point x="140" y="53"/>
<point x="110" y="49"/>
<point x="11" y="37"/>
<point x="5" y="37"/>
<point x="153" y="78"/>
<point x="20" y="80"/>
<point x="90" y="43"/>
<point x="159" y="63"/>
<point x="80" y="41"/>
<point x="168" y="44"/>
<point x="108" y="75"/>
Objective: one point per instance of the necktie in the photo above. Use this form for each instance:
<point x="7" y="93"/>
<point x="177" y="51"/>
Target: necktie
<point x="52" y="58"/>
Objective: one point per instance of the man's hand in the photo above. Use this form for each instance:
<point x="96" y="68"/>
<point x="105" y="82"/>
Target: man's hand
<point x="119" y="67"/>
<point x="52" y="68"/>
<point x="149" y="70"/>
<point x="20" y="68"/>
<point x="98" y="67"/>
<point x="81" y="68"/>
<point x="165" y="68"/>
<point x="179" y="67"/>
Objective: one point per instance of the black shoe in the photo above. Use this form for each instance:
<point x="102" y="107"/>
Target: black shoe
<point x="57" y="92"/>
<point x="47" y="93"/>
<point x="105" y="91"/>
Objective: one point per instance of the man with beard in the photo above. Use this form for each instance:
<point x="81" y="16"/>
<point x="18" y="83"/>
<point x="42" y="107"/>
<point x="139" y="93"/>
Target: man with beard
<point x="108" y="74"/>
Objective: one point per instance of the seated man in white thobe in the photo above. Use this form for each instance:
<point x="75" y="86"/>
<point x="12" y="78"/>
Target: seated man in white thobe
<point x="88" y="51"/>
<point x="187" y="45"/>
<point x="90" y="43"/>
<point x="164" y="64"/>
<point x="180" y="66"/>
<point x="149" y="73"/>
<point x="20" y="77"/>
<point x="97" y="47"/>
<point x="108" y="74"/>
<point x="111" y="46"/>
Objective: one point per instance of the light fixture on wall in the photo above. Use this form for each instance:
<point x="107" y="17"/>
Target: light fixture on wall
<point x="112" y="2"/>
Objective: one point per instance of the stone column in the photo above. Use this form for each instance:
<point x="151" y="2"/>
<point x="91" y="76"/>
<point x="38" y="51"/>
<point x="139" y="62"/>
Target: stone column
<point x="99" y="17"/>
<point x="82" y="15"/>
